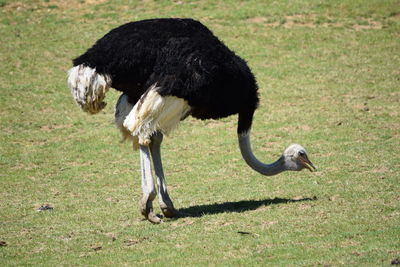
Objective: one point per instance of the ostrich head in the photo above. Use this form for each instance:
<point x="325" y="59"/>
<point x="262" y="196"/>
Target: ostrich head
<point x="296" y="159"/>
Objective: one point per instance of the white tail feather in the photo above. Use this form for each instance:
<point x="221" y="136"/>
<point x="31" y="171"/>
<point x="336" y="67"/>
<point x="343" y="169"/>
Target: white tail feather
<point x="88" y="88"/>
<point x="151" y="113"/>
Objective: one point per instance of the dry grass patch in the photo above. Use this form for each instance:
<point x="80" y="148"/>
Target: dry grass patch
<point x="313" y="21"/>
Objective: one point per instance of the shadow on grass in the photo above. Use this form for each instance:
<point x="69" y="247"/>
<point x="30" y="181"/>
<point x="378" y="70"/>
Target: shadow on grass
<point x="239" y="206"/>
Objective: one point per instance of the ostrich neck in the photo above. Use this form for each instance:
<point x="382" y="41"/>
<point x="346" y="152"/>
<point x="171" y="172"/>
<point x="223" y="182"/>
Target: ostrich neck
<point x="265" y="169"/>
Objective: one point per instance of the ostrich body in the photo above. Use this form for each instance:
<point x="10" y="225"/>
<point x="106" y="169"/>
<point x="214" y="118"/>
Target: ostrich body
<point x="168" y="69"/>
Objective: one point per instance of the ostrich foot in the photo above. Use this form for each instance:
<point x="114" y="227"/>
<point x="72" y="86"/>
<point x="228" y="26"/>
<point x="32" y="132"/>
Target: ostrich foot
<point x="146" y="208"/>
<point x="153" y="218"/>
<point x="169" y="212"/>
<point x="167" y="207"/>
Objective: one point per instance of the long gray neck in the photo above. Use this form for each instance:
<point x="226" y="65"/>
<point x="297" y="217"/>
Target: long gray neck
<point x="265" y="169"/>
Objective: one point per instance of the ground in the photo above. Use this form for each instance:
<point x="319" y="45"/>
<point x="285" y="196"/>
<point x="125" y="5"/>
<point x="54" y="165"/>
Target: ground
<point x="328" y="73"/>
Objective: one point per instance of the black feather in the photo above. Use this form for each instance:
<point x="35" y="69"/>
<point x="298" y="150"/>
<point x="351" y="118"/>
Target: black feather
<point x="185" y="59"/>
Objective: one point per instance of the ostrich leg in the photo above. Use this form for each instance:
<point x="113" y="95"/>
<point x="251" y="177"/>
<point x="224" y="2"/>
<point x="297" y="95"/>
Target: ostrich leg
<point x="166" y="204"/>
<point x="148" y="188"/>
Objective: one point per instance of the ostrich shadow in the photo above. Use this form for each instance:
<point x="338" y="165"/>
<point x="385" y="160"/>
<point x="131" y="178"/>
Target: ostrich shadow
<point x="238" y="206"/>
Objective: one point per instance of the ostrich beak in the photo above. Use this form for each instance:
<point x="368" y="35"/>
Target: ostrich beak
<point x="307" y="163"/>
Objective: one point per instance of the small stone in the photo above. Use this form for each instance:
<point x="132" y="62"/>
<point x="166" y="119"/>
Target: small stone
<point x="44" y="207"/>
<point x="396" y="261"/>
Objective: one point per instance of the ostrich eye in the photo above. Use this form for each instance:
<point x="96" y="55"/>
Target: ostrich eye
<point x="302" y="153"/>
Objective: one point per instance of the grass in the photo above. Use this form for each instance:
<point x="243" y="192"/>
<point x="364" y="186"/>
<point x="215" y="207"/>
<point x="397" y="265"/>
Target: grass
<point x="328" y="73"/>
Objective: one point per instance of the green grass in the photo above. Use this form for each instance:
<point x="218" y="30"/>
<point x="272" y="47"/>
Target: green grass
<point x="329" y="79"/>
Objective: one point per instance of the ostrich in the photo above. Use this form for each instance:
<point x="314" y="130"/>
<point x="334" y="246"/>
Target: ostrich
<point x="168" y="69"/>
